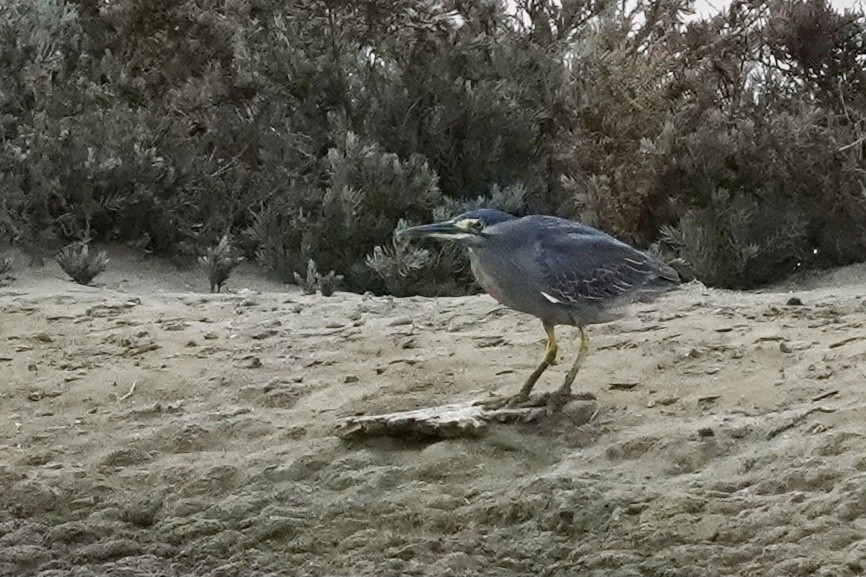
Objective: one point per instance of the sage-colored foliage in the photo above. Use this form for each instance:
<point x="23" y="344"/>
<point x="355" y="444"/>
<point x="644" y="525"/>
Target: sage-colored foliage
<point x="309" y="129"/>
<point x="400" y="264"/>
<point x="5" y="267"/>
<point x="406" y="267"/>
<point x="745" y="131"/>
<point x="80" y="264"/>
<point x="326" y="284"/>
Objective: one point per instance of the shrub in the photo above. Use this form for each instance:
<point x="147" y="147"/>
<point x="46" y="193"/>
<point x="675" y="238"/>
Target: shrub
<point x="729" y="129"/>
<point x="368" y="191"/>
<point x="438" y="268"/>
<point x="310" y="129"/>
<point x="76" y="260"/>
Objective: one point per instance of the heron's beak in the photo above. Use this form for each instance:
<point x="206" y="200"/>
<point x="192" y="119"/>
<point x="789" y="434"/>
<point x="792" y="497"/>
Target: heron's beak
<point x="447" y="230"/>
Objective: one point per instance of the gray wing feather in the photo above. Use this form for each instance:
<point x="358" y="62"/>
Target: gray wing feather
<point x="583" y="266"/>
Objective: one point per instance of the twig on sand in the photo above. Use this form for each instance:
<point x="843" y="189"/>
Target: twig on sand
<point x="826" y="395"/>
<point x="128" y="393"/>
<point x="796" y="420"/>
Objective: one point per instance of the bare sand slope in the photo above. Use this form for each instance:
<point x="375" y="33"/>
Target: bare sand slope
<point x="151" y="428"/>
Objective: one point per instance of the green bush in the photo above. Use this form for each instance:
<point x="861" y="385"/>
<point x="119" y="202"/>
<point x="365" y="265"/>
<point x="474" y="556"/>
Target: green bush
<point x="368" y="192"/>
<point x="733" y="130"/>
<point x="437" y="268"/>
<point x="309" y="130"/>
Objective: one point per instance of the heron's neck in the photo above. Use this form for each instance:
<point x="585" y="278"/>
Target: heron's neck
<point x="474" y="242"/>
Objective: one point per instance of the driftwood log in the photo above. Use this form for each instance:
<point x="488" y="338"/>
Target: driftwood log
<point x="467" y="419"/>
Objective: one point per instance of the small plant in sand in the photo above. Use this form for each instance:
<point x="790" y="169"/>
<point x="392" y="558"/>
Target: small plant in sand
<point x="5" y="267"/>
<point x="219" y="263"/>
<point x="400" y="264"/>
<point x="76" y="261"/>
<point x="308" y="283"/>
<point x="326" y="284"/>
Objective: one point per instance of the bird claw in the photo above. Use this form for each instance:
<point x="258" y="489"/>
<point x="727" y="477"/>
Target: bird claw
<point x="556" y="401"/>
<point x="516" y="402"/>
<point x="551" y="402"/>
<point x="559" y="398"/>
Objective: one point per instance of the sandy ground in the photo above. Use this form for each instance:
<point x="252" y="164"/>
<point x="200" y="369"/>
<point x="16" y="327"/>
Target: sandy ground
<point x="149" y="427"/>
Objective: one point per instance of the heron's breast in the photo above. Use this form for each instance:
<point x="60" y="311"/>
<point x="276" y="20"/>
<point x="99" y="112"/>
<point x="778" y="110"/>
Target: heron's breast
<point x="485" y="278"/>
<point x="494" y="277"/>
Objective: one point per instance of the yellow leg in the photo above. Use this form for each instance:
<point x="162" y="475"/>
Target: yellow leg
<point x="549" y="359"/>
<point x="565" y="389"/>
<point x="551" y="347"/>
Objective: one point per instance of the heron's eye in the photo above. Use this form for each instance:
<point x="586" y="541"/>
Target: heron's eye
<point x="476" y="225"/>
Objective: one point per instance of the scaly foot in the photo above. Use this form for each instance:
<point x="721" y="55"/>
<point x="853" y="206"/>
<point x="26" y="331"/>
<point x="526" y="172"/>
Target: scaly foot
<point x="552" y="402"/>
<point x="559" y="398"/>
<point x="514" y="402"/>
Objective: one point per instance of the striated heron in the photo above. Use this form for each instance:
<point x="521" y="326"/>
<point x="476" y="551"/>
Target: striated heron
<point x="557" y="270"/>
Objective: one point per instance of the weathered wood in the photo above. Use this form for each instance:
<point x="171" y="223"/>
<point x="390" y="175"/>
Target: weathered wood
<point x="467" y="419"/>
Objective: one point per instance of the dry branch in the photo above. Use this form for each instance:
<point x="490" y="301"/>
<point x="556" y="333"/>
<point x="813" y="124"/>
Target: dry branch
<point x="797" y="420"/>
<point x="857" y="142"/>
<point x="467" y="419"/>
<point x="128" y="393"/>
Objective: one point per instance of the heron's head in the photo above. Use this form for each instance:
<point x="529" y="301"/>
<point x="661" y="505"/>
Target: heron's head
<point x="468" y="227"/>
